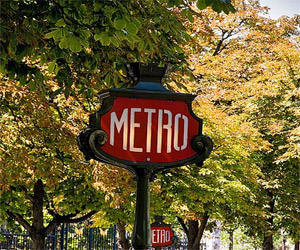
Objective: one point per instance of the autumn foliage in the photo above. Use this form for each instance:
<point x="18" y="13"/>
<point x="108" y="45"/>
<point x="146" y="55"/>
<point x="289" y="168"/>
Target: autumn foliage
<point x="244" y="67"/>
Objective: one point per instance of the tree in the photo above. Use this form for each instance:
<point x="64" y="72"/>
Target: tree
<point x="254" y="62"/>
<point x="90" y="41"/>
<point x="227" y="182"/>
<point x="55" y="56"/>
<point x="44" y="180"/>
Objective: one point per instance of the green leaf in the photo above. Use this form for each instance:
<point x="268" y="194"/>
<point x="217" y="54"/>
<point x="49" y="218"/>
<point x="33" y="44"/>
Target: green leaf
<point x="190" y="16"/>
<point x="179" y="50"/>
<point x="97" y="37"/>
<point x="26" y="22"/>
<point x="3" y="64"/>
<point x="84" y="43"/>
<point x="231" y="8"/>
<point x="64" y="43"/>
<point x="14" y="5"/>
<point x="115" y="42"/>
<point x="137" y="22"/>
<point x="51" y="66"/>
<point x="141" y="45"/>
<point x="104" y="38"/>
<point x="216" y="6"/>
<point x="67" y="92"/>
<point x="157" y="19"/>
<point x="58" y="91"/>
<point x="12" y="48"/>
<point x="225" y="8"/>
<point x="120" y="35"/>
<point x="86" y="33"/>
<point x="97" y="7"/>
<point x="209" y="2"/>
<point x="75" y="45"/>
<point x="60" y="23"/>
<point x="23" y="80"/>
<point x="56" y="34"/>
<point x="131" y="28"/>
<point x="57" y="68"/>
<point x="201" y="5"/>
<point x="34" y="23"/>
<point x="49" y="35"/>
<point x="130" y="39"/>
<point x="32" y="85"/>
<point x="107" y="78"/>
<point x="119" y="24"/>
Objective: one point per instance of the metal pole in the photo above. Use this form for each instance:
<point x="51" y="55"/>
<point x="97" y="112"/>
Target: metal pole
<point x="62" y="234"/>
<point x="90" y="238"/>
<point x="115" y="237"/>
<point x="142" y="231"/>
<point x="67" y="232"/>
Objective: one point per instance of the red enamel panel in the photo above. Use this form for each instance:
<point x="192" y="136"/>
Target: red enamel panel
<point x="148" y="130"/>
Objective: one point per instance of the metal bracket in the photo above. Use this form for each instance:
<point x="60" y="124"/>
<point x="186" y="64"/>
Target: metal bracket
<point x="203" y="145"/>
<point x="97" y="139"/>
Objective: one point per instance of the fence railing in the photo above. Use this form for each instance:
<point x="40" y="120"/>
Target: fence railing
<point x="75" y="237"/>
<point x="17" y="241"/>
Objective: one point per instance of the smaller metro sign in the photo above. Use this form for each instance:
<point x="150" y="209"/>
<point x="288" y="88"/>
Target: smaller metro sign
<point x="162" y="236"/>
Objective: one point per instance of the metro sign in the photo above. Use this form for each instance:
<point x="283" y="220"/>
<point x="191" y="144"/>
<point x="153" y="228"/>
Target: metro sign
<point x="148" y="131"/>
<point x="162" y="236"/>
<point x="137" y="128"/>
<point x="145" y="129"/>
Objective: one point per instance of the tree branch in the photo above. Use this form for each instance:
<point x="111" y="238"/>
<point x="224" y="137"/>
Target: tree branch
<point x="28" y="196"/>
<point x="201" y="229"/>
<point x="20" y="220"/>
<point x="184" y="227"/>
<point x="67" y="219"/>
<point x="51" y="226"/>
<point x="58" y="219"/>
<point x="217" y="50"/>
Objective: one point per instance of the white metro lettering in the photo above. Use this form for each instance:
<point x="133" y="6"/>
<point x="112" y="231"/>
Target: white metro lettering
<point x="167" y="128"/>
<point x="160" y="236"/>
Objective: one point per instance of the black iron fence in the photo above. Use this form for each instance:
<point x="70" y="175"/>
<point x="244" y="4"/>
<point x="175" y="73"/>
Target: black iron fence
<point x="75" y="237"/>
<point x="22" y="241"/>
<point x="80" y="237"/>
<point x="65" y="237"/>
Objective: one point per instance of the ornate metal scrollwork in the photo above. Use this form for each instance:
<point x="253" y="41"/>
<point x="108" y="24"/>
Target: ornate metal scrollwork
<point x="203" y="145"/>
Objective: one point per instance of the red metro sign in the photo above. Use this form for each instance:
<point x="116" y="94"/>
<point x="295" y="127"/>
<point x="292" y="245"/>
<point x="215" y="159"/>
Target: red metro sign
<point x="162" y="236"/>
<point x="149" y="131"/>
<point x="137" y="128"/>
<point x="145" y="126"/>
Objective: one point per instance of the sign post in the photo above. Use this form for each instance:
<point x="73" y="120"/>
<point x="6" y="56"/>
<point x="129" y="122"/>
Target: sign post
<point x="141" y="231"/>
<point x="145" y="129"/>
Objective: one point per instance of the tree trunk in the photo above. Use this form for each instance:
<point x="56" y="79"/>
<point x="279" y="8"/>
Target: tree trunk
<point x="297" y="245"/>
<point x="38" y="242"/>
<point x="268" y="243"/>
<point x="194" y="232"/>
<point x="283" y="243"/>
<point x="37" y="234"/>
<point x="268" y="239"/>
<point x="231" y="240"/>
<point x="37" y="231"/>
<point x="123" y="242"/>
<point x="192" y="235"/>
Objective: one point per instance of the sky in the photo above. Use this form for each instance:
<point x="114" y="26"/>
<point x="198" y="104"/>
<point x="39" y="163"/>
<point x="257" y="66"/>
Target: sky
<point x="282" y="7"/>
